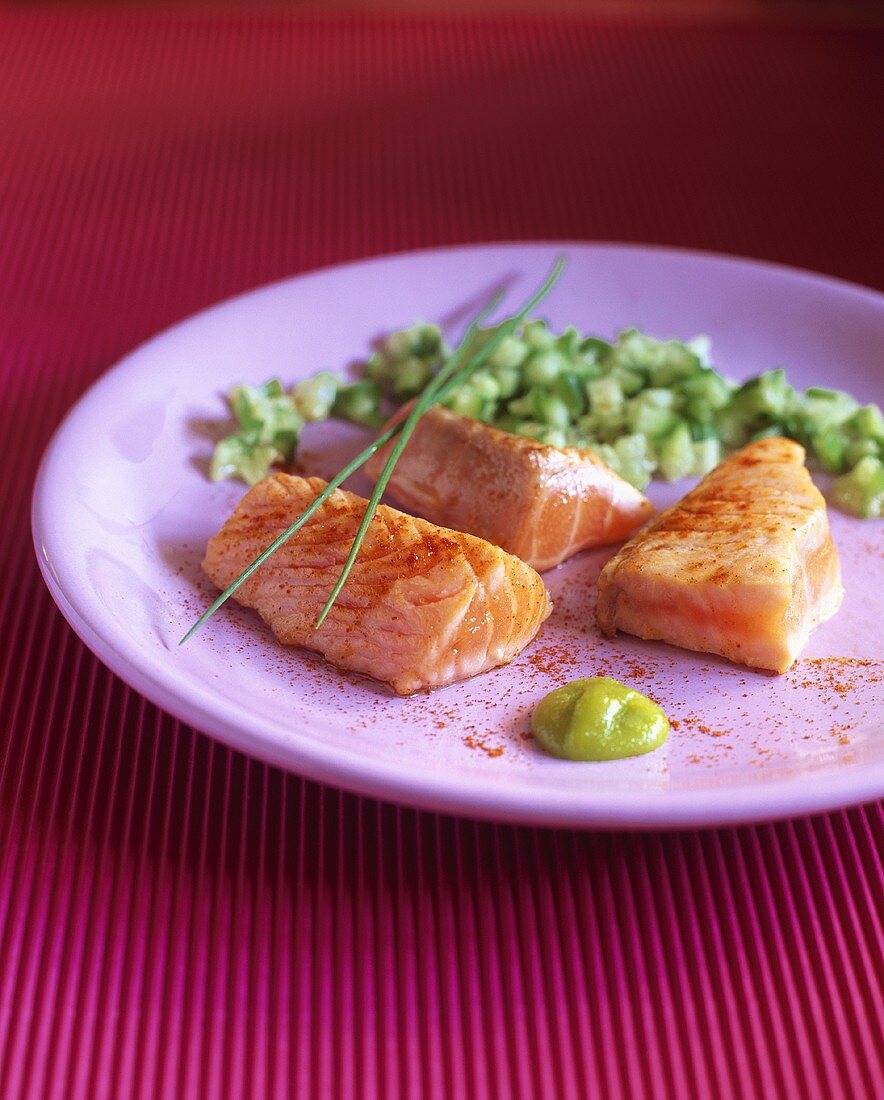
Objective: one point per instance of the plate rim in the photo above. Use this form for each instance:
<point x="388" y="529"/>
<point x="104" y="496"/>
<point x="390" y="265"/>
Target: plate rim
<point x="791" y="796"/>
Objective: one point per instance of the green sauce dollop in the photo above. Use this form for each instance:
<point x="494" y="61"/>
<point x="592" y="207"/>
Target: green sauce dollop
<point x="598" y="719"/>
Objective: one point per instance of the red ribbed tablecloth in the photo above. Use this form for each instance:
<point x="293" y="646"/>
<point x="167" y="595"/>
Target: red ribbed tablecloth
<point x="178" y="920"/>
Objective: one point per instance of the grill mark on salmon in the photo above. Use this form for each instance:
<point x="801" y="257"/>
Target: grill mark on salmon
<point x="744" y="566"/>
<point x="541" y="503"/>
<point x="423" y="606"/>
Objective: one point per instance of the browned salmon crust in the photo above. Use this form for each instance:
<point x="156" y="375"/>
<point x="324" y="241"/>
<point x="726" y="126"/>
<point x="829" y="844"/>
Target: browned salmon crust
<point x="540" y="503"/>
<point x="422" y="607"/>
<point x="743" y="566"/>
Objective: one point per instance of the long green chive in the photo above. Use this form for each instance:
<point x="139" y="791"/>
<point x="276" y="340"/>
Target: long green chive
<point x="450" y="376"/>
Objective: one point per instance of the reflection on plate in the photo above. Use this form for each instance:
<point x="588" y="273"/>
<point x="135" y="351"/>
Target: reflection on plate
<point x="123" y="509"/>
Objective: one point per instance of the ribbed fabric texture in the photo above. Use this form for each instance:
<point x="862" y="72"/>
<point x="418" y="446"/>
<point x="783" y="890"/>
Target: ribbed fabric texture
<point x="179" y="921"/>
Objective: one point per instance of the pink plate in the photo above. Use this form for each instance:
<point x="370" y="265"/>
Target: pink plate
<point x="123" y="508"/>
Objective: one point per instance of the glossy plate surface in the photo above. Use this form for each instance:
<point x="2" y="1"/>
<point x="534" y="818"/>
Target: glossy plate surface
<point x="123" y="509"/>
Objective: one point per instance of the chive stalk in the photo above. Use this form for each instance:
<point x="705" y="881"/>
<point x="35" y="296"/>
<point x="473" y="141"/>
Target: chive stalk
<point x="451" y="375"/>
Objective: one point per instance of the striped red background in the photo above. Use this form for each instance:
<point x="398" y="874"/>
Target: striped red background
<point x="177" y="920"/>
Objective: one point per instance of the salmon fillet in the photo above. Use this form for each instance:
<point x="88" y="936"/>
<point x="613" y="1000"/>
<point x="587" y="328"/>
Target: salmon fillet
<point x="744" y="566"/>
<point x="422" y="606"/>
<point x="541" y="503"/>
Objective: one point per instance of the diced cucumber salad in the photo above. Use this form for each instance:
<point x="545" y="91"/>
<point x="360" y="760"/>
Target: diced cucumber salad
<point x="646" y="407"/>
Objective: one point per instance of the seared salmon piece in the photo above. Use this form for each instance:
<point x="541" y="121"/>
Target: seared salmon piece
<point x="743" y="566"/>
<point x="422" y="606"/>
<point x="540" y="503"/>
